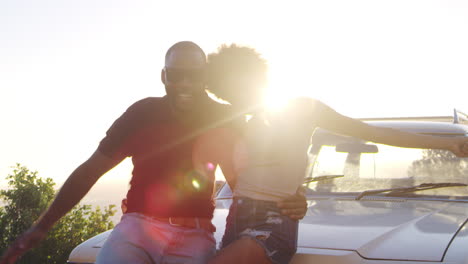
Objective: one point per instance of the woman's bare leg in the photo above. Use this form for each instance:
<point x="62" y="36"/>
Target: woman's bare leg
<point x="243" y="250"/>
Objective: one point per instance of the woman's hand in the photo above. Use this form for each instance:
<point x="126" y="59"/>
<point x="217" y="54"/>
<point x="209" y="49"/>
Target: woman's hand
<point x="294" y="206"/>
<point x="460" y="147"/>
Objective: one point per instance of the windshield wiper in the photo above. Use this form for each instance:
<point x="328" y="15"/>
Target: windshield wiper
<point x="421" y="187"/>
<point x="322" y="178"/>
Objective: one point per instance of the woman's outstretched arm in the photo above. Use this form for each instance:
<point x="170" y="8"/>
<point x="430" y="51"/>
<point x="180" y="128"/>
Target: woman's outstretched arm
<point x="331" y="120"/>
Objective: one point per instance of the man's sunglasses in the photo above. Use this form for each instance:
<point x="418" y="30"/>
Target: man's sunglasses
<point x="178" y="75"/>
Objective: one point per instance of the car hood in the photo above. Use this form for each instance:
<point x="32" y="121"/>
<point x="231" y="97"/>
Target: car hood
<point x="390" y="229"/>
<point x="87" y="251"/>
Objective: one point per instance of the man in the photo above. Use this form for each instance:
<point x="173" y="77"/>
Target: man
<point x="169" y="203"/>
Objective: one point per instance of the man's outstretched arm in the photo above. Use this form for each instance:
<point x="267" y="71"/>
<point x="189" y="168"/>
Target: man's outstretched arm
<point x="73" y="190"/>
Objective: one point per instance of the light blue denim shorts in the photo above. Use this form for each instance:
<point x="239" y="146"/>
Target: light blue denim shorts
<point x="139" y="239"/>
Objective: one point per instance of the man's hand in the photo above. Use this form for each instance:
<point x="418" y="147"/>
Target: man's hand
<point x="72" y="191"/>
<point x="23" y="243"/>
<point x="294" y="206"/>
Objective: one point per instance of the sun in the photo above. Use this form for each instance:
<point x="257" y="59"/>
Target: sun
<point x="278" y="92"/>
<point x="274" y="102"/>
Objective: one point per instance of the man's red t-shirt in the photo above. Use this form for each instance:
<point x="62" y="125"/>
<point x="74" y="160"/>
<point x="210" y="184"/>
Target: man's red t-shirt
<point x="172" y="175"/>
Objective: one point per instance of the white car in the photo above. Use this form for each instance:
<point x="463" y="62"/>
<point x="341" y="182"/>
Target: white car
<point x="371" y="203"/>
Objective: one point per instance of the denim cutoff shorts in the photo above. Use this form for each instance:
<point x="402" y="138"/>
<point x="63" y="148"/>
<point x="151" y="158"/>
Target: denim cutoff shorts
<point x="263" y="222"/>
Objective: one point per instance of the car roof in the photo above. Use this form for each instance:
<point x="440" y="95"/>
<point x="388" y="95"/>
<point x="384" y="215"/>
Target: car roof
<point x="323" y="136"/>
<point x="425" y="127"/>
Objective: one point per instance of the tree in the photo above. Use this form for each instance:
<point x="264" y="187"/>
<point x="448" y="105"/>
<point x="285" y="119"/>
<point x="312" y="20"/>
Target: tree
<point x="439" y="164"/>
<point x="26" y="198"/>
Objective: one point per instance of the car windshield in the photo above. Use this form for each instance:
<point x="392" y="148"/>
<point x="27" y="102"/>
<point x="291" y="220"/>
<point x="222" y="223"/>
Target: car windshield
<point x="368" y="166"/>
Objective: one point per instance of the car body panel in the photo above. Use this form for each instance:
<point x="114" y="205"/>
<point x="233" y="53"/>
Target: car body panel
<point x="87" y="251"/>
<point x="422" y="227"/>
<point x="408" y="230"/>
<point x="457" y="252"/>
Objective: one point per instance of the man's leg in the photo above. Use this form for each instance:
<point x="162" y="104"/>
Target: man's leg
<point x="136" y="239"/>
<point x="122" y="252"/>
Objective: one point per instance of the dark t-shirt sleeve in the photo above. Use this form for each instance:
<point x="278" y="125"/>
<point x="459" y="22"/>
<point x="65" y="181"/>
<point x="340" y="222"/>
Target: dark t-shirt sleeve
<point x="116" y="143"/>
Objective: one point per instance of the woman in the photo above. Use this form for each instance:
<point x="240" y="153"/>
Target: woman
<point x="268" y="158"/>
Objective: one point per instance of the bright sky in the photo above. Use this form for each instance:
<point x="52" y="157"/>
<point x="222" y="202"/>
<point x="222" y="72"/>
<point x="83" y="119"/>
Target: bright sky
<point x="69" y="68"/>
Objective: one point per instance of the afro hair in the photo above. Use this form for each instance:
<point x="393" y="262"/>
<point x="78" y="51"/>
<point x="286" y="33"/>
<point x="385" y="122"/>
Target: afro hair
<point x="233" y="68"/>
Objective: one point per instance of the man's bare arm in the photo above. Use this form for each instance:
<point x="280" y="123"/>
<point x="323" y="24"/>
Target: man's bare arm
<point x="73" y="190"/>
<point x="76" y="187"/>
